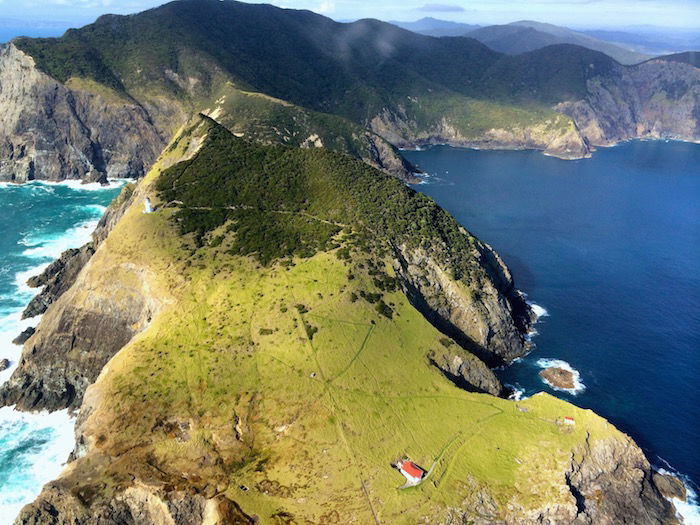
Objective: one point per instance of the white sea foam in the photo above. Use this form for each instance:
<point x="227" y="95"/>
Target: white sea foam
<point x="517" y="393"/>
<point x="21" y="278"/>
<point x="689" y="510"/>
<point x="33" y="450"/>
<point x="78" y="185"/>
<point x="539" y="311"/>
<point x="52" y="246"/>
<point x="558" y="363"/>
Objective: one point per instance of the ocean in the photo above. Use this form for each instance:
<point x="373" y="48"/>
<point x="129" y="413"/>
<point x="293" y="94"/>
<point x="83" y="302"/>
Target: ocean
<point x="38" y="222"/>
<point x="608" y="248"/>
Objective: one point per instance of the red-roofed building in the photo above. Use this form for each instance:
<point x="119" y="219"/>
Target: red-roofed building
<point x="412" y="472"/>
<point x="569" y="420"/>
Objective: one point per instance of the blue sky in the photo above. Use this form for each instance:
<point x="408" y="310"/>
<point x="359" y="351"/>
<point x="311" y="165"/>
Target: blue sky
<point x="576" y="13"/>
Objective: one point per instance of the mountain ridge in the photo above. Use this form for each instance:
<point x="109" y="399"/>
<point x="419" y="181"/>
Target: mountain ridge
<point x="264" y="384"/>
<point x="409" y="89"/>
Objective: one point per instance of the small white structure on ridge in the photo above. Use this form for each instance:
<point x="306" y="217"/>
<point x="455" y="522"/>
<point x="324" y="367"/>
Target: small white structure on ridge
<point x="147" y="207"/>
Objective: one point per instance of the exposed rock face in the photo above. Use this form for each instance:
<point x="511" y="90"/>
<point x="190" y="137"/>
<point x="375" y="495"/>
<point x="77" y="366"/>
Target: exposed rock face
<point x="24" y="336"/>
<point x="57" y="278"/>
<point x="670" y="486"/>
<point x="558" y="377"/>
<point x="399" y="129"/>
<point x="51" y="132"/>
<point x="608" y="482"/>
<point x="656" y="100"/>
<point x="488" y="319"/>
<point x="467" y="372"/>
<point x="385" y="157"/>
<point x="4" y="364"/>
<point x="97" y="308"/>
<point x="134" y="506"/>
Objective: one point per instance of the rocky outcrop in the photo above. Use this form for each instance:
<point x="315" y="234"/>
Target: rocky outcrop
<point x="24" y="336"/>
<point x="466" y="371"/>
<point x="607" y="482"/>
<point x="385" y="157"/>
<point x="57" y="278"/>
<point x="135" y="505"/>
<point x="52" y="132"/>
<point x="654" y="100"/>
<point x="670" y="486"/>
<point x="488" y="317"/>
<point x="559" y="377"/>
<point x="4" y="364"/>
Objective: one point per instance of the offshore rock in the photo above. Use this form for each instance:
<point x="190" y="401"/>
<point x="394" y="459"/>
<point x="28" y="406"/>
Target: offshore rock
<point x="558" y="378"/>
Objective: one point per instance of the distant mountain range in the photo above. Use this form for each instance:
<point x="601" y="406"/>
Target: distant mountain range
<point x="525" y="35"/>
<point x="435" y="27"/>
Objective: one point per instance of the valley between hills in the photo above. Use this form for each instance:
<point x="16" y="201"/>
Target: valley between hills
<point x="292" y="318"/>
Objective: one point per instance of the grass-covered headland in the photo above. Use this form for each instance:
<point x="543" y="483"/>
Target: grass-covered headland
<point x="286" y="369"/>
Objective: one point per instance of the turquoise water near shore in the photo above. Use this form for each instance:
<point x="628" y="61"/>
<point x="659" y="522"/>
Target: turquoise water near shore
<point x="38" y="222"/>
<point x="610" y="248"/>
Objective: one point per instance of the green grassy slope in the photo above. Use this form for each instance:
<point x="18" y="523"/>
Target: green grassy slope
<point x="279" y="375"/>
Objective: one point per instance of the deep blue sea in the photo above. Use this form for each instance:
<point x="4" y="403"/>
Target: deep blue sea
<point x="38" y="222"/>
<point x="610" y="247"/>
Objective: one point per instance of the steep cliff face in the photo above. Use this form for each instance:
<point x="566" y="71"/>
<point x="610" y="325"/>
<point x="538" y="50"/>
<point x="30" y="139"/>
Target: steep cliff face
<point x="51" y="132"/>
<point x="488" y="318"/>
<point x="84" y="130"/>
<point x="557" y="136"/>
<point x="654" y="100"/>
<point x="93" y="314"/>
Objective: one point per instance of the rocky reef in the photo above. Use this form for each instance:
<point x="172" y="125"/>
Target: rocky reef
<point x="559" y="378"/>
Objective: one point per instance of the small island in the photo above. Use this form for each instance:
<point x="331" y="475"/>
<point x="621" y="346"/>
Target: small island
<point x="559" y="377"/>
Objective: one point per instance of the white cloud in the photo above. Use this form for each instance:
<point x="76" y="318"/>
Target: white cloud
<point x="325" y="7"/>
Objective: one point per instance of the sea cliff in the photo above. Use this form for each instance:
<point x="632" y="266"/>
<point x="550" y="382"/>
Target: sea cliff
<point x="215" y="387"/>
